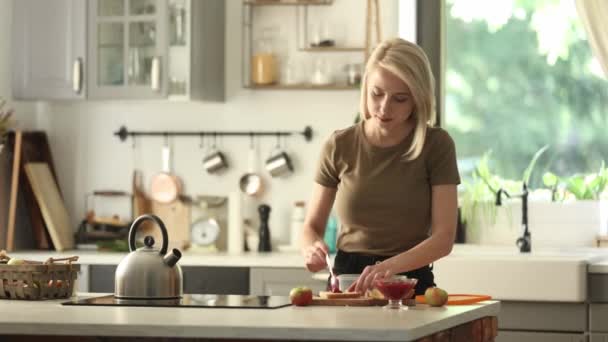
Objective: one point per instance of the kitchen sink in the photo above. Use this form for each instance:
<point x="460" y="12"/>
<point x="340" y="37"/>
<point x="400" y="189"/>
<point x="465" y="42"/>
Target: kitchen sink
<point x="545" y="274"/>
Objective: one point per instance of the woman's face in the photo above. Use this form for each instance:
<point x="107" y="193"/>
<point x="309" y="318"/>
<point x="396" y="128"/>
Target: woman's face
<point x="389" y="101"/>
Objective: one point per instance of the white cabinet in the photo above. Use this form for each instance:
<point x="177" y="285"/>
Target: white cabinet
<point x="118" y="49"/>
<point x="523" y="336"/>
<point x="48" y="49"/>
<point x="279" y="281"/>
<point x="126" y="44"/>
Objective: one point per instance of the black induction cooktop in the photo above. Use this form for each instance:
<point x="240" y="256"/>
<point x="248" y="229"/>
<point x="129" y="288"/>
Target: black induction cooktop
<point x="191" y="301"/>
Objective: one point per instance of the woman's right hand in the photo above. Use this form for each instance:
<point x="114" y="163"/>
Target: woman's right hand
<point x="314" y="256"/>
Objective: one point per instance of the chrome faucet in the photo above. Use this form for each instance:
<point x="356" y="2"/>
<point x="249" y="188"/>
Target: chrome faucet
<point x="524" y="242"/>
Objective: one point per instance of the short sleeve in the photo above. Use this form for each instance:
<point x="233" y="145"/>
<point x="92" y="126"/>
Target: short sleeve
<point x="327" y="174"/>
<point x="442" y="164"/>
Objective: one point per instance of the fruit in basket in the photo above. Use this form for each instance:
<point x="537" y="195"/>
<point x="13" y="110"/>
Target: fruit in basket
<point x="56" y="283"/>
<point x="435" y="296"/>
<point x="300" y="296"/>
<point x="14" y="261"/>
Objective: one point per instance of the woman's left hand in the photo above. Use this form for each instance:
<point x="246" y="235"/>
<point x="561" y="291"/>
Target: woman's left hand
<point x="368" y="276"/>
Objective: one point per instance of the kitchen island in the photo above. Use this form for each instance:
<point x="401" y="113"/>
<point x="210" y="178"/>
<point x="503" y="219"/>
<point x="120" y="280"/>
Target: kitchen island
<point x="35" y="320"/>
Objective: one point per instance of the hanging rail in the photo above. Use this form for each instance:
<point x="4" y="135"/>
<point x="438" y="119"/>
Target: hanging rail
<point x="123" y="133"/>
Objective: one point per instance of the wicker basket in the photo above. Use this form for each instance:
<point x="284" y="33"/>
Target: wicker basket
<point x="37" y="280"/>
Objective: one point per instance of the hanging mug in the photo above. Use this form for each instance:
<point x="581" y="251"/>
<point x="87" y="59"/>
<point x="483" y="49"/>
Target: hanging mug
<point x="215" y="161"/>
<point x="279" y="163"/>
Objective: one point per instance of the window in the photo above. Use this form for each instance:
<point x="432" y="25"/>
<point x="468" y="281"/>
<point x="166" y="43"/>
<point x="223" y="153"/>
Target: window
<point x="519" y="75"/>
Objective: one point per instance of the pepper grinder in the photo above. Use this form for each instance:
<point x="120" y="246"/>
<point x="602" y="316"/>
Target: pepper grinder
<point x="264" y="244"/>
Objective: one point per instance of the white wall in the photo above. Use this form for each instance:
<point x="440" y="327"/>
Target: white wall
<point x="88" y="157"/>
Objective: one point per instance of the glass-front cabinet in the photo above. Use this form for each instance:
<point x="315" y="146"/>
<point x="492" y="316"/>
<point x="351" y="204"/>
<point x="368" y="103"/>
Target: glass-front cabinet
<point x="127" y="49"/>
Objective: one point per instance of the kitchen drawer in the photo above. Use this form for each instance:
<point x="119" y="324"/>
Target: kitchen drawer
<point x="197" y="279"/>
<point x="216" y="280"/>
<point x="279" y="281"/>
<point x="593" y="337"/>
<point x="598" y="317"/>
<point x="101" y="278"/>
<point x="530" y="336"/>
<point x="539" y="316"/>
<point x="598" y="288"/>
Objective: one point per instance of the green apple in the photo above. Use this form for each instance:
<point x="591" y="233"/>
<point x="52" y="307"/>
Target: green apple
<point x="300" y="296"/>
<point x="14" y="261"/>
<point x="435" y="296"/>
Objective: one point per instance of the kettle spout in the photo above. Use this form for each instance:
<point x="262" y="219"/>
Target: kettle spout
<point x="171" y="258"/>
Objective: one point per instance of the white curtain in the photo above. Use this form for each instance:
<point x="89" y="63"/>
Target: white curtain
<point x="594" y="16"/>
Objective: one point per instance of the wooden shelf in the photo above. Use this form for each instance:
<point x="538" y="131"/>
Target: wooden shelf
<point x="333" y="49"/>
<point x="304" y="86"/>
<point x="287" y="2"/>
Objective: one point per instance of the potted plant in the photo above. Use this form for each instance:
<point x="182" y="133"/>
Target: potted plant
<point x="578" y="211"/>
<point x="487" y="223"/>
<point x="5" y="122"/>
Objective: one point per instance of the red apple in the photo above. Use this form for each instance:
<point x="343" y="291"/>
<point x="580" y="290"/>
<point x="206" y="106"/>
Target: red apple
<point x="435" y="296"/>
<point x="300" y="296"/>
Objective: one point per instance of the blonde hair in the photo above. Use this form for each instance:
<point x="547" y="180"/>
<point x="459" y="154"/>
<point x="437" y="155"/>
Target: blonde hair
<point x="407" y="61"/>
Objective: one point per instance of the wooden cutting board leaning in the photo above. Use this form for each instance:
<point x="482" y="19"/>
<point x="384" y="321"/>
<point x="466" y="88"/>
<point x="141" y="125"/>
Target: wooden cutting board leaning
<point x="51" y="204"/>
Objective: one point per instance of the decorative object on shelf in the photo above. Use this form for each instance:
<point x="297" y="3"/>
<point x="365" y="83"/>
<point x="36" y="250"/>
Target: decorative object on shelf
<point x="264" y="62"/>
<point x="320" y="37"/>
<point x="123" y="133"/>
<point x="353" y="74"/>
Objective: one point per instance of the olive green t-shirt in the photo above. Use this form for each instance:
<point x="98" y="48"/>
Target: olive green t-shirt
<point x="384" y="201"/>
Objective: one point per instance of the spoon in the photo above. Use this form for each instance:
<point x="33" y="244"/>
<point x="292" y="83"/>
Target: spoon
<point x="333" y="281"/>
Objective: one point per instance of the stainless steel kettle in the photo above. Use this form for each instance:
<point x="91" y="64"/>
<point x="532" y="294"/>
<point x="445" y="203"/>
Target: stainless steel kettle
<point x="147" y="273"/>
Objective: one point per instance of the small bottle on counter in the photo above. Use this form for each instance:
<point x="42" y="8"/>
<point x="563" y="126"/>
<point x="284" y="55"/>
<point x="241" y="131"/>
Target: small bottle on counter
<point x="298" y="215"/>
<point x="331" y="233"/>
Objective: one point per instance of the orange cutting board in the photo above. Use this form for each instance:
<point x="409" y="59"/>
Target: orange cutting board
<point x="459" y="299"/>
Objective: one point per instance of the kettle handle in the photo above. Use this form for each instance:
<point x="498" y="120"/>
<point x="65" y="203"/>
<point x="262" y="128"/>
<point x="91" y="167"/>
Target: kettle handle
<point x="159" y="223"/>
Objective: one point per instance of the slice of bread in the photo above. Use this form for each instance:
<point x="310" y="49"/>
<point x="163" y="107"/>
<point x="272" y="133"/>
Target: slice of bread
<point x="374" y="293"/>
<point x="341" y="295"/>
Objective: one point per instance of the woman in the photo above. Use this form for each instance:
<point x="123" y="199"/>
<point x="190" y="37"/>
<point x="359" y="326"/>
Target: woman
<point x="393" y="176"/>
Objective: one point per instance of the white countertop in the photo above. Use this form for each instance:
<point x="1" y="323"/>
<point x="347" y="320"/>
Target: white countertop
<point x="500" y="271"/>
<point x="307" y="323"/>
<point x="599" y="267"/>
<point x="295" y="260"/>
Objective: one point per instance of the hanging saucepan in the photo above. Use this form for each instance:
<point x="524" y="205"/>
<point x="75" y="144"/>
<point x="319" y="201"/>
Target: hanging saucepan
<point x="165" y="186"/>
<point x="251" y="182"/>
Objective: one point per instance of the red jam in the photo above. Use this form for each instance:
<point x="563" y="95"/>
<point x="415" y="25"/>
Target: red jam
<point x="394" y="289"/>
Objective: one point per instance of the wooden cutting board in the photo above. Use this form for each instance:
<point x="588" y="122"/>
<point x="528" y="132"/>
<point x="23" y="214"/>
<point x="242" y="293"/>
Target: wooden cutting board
<point x="363" y="301"/>
<point x="51" y="204"/>
<point x="177" y="217"/>
<point x="358" y="301"/>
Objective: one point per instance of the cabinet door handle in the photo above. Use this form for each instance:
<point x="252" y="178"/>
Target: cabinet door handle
<point x="77" y="75"/>
<point x="155" y="73"/>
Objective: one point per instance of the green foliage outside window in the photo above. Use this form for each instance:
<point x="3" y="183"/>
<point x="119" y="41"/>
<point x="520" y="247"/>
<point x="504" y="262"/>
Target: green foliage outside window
<point x="520" y="74"/>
